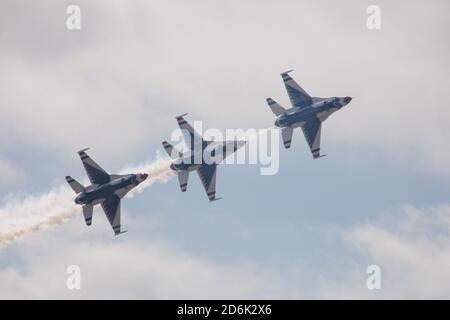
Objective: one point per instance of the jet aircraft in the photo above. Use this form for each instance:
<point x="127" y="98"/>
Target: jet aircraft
<point x="203" y="157"/>
<point x="105" y="189"/>
<point x="307" y="113"/>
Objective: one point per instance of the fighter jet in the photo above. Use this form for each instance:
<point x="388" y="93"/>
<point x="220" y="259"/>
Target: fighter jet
<point x="203" y="157"/>
<point x="307" y="113"/>
<point x="105" y="189"/>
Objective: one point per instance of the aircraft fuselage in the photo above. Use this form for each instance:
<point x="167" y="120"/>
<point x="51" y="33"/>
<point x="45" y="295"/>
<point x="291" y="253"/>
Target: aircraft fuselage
<point x="296" y="117"/>
<point x="213" y="153"/>
<point x="95" y="194"/>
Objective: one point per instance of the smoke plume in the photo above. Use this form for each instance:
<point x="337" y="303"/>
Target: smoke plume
<point x="34" y="213"/>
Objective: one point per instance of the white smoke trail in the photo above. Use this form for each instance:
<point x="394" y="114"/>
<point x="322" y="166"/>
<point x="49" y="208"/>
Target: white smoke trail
<point x="158" y="170"/>
<point x="35" y="213"/>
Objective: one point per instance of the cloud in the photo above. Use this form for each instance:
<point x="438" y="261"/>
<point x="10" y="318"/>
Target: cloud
<point x="127" y="268"/>
<point x="116" y="85"/>
<point x="412" y="248"/>
<point x="12" y="175"/>
<point x="122" y="78"/>
<point x="22" y="216"/>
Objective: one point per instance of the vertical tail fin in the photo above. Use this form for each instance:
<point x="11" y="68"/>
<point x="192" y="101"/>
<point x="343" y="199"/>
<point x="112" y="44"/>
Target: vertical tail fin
<point x="75" y="185"/>
<point x="275" y="107"/>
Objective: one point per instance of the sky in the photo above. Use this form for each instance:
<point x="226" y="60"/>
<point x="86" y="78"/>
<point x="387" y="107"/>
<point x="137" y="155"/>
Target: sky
<point x="379" y="197"/>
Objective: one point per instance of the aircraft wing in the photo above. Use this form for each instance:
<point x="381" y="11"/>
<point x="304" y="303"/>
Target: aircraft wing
<point x="299" y="98"/>
<point x="95" y="173"/>
<point x="311" y="131"/>
<point x="192" y="138"/>
<point x="111" y="206"/>
<point x="207" y="174"/>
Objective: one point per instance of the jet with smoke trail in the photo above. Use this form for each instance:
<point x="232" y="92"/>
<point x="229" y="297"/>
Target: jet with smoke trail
<point x="203" y="157"/>
<point x="105" y="189"/>
<point x="21" y="217"/>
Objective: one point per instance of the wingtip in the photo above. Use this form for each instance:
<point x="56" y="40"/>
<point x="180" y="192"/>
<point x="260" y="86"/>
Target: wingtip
<point x="85" y="149"/>
<point x="286" y="72"/>
<point x="270" y="101"/>
<point x="181" y="116"/>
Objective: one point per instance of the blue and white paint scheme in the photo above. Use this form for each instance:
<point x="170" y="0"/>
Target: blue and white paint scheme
<point x="307" y="113"/>
<point x="203" y="156"/>
<point x="105" y="189"/>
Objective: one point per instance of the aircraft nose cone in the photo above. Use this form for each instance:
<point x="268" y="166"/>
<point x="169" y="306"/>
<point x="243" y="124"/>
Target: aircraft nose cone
<point x="347" y="99"/>
<point x="144" y="176"/>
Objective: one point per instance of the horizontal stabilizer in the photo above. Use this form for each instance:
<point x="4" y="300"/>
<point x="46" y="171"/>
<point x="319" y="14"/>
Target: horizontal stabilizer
<point x="120" y="232"/>
<point x="75" y="185"/>
<point x="171" y="150"/>
<point x="286" y="135"/>
<point x="183" y="177"/>
<point x="87" y="213"/>
<point x="275" y="107"/>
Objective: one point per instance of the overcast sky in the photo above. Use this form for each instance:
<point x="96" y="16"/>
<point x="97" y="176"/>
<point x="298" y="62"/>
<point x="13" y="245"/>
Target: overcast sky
<point x="380" y="197"/>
